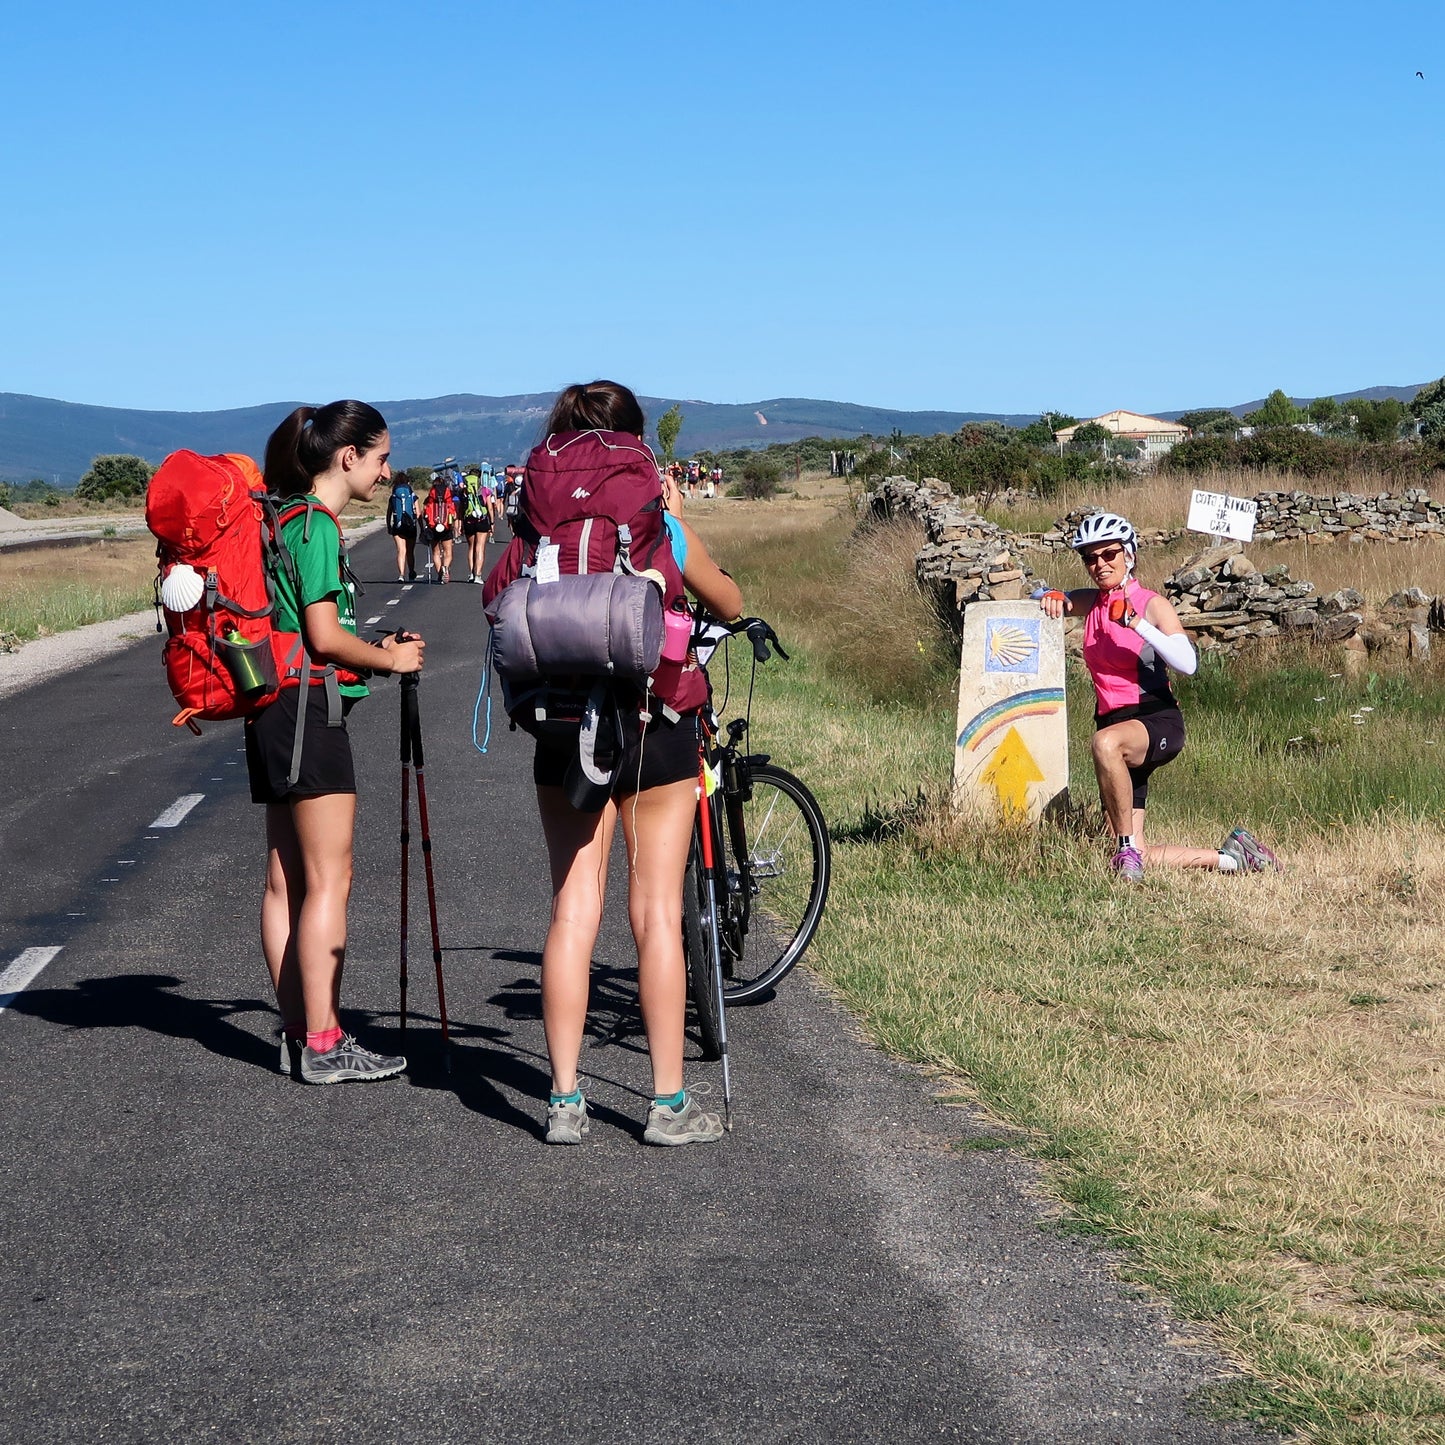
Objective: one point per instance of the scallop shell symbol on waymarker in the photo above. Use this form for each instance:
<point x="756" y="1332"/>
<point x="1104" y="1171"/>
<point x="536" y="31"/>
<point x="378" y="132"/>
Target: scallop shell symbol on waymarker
<point x="1012" y="645"/>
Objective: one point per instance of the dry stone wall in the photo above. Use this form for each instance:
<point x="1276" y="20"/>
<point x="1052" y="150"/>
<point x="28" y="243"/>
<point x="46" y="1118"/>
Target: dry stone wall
<point x="1348" y="516"/>
<point x="1225" y="599"/>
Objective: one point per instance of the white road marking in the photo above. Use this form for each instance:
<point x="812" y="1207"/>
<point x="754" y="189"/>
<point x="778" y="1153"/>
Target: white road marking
<point x="393" y="601"/>
<point x="176" y="813"/>
<point x="124" y="861"/>
<point x="408" y="586"/>
<point x="370" y="620"/>
<point x="23" y="971"/>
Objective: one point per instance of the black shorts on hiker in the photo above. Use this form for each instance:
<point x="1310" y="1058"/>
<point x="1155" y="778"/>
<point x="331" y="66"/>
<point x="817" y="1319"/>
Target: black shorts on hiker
<point x="1166" y="742"/>
<point x="665" y="753"/>
<point x="326" y="765"/>
<point x="472" y="525"/>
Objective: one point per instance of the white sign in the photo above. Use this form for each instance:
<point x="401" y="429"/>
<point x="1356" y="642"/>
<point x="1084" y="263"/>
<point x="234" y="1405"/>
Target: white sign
<point x="1222" y="515"/>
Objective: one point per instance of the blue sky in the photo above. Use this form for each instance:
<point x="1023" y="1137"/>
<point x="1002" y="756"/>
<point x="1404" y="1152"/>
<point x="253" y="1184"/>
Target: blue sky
<point x="917" y="205"/>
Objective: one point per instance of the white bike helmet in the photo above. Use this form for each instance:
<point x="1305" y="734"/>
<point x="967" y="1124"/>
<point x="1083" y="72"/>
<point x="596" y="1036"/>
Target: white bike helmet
<point x="1105" y="527"/>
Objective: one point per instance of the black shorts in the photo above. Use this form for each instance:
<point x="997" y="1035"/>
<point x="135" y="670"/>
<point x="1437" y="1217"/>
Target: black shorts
<point x="1166" y="742"/>
<point x="405" y="529"/>
<point x="326" y="765"/>
<point x="655" y="756"/>
<point x="472" y="525"/>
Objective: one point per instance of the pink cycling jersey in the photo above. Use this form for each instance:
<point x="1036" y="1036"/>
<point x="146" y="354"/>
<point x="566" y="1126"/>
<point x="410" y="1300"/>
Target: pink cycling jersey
<point x="1129" y="678"/>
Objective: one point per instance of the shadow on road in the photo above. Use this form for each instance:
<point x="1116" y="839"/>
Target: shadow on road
<point x="146" y="1001"/>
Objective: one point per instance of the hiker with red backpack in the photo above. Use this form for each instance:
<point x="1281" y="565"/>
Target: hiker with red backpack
<point x="440" y="515"/>
<point x="591" y="517"/>
<point x="317" y="460"/>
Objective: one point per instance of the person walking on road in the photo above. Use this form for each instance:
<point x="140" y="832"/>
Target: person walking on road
<point x="401" y="523"/>
<point x="593" y="434"/>
<point x="440" y="515"/>
<point x="326" y="456"/>
<point x="1130" y="636"/>
<point x="476" y="523"/>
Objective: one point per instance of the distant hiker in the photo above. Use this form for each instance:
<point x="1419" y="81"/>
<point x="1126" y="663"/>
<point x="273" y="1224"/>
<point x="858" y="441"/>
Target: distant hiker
<point x="1130" y="636"/>
<point x="591" y="477"/>
<point x="325" y="456"/>
<point x="401" y="523"/>
<point x="476" y="523"/>
<point x="439" y="516"/>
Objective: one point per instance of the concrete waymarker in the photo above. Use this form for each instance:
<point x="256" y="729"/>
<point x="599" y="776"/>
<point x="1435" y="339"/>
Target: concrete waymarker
<point x="1012" y="750"/>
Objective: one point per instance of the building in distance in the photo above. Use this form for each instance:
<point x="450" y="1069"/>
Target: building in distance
<point x="1151" y="434"/>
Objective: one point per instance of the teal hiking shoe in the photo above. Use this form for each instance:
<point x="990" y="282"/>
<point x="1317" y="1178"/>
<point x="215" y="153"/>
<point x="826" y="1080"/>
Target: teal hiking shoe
<point x="689" y="1124"/>
<point x="567" y="1121"/>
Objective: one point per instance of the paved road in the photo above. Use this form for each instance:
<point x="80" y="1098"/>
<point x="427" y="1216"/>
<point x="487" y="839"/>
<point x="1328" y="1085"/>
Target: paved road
<point x="200" y="1249"/>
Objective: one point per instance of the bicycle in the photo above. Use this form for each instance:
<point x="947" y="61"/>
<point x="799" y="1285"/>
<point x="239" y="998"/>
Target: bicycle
<point x="759" y="866"/>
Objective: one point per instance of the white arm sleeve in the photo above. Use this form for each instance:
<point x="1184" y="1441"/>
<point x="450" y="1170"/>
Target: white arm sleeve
<point x="1174" y="647"/>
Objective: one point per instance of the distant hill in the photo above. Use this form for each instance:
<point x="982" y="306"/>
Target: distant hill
<point x="1370" y="393"/>
<point x="57" y="439"/>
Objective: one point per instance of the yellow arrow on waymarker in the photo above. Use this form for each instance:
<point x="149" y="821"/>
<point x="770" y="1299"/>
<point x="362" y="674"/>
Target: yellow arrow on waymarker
<point x="1010" y="771"/>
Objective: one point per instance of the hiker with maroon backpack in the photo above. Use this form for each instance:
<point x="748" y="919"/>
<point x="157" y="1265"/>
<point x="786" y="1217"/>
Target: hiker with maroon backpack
<point x="591" y="517"/>
<point x="317" y="460"/>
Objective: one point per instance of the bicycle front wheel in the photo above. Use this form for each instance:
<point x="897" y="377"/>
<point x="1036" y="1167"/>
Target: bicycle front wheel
<point x="778" y="862"/>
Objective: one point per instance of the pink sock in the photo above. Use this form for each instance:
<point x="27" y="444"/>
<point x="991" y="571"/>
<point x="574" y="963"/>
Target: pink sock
<point x="323" y="1042"/>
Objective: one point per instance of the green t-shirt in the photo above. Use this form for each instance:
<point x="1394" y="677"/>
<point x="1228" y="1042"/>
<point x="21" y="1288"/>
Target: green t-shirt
<point x="318" y="561"/>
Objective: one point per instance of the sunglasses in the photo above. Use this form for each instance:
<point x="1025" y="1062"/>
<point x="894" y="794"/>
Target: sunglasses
<point x="1104" y="554"/>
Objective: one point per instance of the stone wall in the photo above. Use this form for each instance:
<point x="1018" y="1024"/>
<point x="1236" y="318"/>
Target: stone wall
<point x="1224" y="598"/>
<point x="1347" y="516"/>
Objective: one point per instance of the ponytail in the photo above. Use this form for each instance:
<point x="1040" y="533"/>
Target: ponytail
<point x="306" y="443"/>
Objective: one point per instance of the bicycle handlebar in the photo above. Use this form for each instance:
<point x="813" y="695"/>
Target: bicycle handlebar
<point x="760" y="634"/>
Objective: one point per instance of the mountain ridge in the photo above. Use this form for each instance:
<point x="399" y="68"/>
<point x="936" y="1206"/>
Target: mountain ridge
<point x="56" y="440"/>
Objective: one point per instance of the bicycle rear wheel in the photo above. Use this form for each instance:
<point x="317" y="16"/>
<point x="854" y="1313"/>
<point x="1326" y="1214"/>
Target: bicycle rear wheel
<point x="778" y="862"/>
<point x="697" y="955"/>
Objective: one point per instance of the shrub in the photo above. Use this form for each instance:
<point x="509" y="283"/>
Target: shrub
<point x="759" y="479"/>
<point x="115" y="476"/>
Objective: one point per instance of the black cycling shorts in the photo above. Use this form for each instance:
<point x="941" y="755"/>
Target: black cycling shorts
<point x="326" y="765"/>
<point x="659" y="754"/>
<point x="1166" y="742"/>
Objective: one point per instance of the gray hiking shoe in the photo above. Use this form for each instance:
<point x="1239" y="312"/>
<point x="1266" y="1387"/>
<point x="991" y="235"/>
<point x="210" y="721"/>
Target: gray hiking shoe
<point x="348" y="1060"/>
<point x="567" y="1121"/>
<point x="691" y="1124"/>
<point x="1251" y="855"/>
<point x="288" y="1059"/>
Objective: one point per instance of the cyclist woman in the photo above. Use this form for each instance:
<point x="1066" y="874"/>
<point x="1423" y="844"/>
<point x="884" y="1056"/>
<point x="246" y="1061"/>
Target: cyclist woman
<point x="1131" y="635"/>
<point x="328" y="456"/>
<point x="440" y="515"/>
<point x="654" y="794"/>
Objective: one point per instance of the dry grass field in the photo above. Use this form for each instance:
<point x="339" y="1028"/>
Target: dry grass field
<point x="1239" y="1080"/>
<point x="53" y="589"/>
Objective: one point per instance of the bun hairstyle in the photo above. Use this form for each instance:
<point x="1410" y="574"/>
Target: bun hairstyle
<point x="303" y="446"/>
<point x="596" y="406"/>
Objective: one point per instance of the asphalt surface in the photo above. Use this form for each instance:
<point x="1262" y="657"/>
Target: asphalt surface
<point x="199" y="1248"/>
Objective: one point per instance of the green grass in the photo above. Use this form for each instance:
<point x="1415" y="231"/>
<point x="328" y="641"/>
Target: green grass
<point x="1233" y="1079"/>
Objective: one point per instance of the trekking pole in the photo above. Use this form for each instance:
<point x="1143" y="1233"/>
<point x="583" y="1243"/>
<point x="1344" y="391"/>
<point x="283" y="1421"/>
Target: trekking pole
<point x="405" y="845"/>
<point x="713" y="873"/>
<point x="411" y="702"/>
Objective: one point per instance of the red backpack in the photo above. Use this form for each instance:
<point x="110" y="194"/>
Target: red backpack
<point x="219" y="548"/>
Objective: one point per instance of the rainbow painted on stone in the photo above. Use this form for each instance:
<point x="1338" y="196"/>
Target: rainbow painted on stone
<point x="1037" y="702"/>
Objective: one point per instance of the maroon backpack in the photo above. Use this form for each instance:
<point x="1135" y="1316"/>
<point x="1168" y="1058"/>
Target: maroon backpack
<point x="596" y="498"/>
